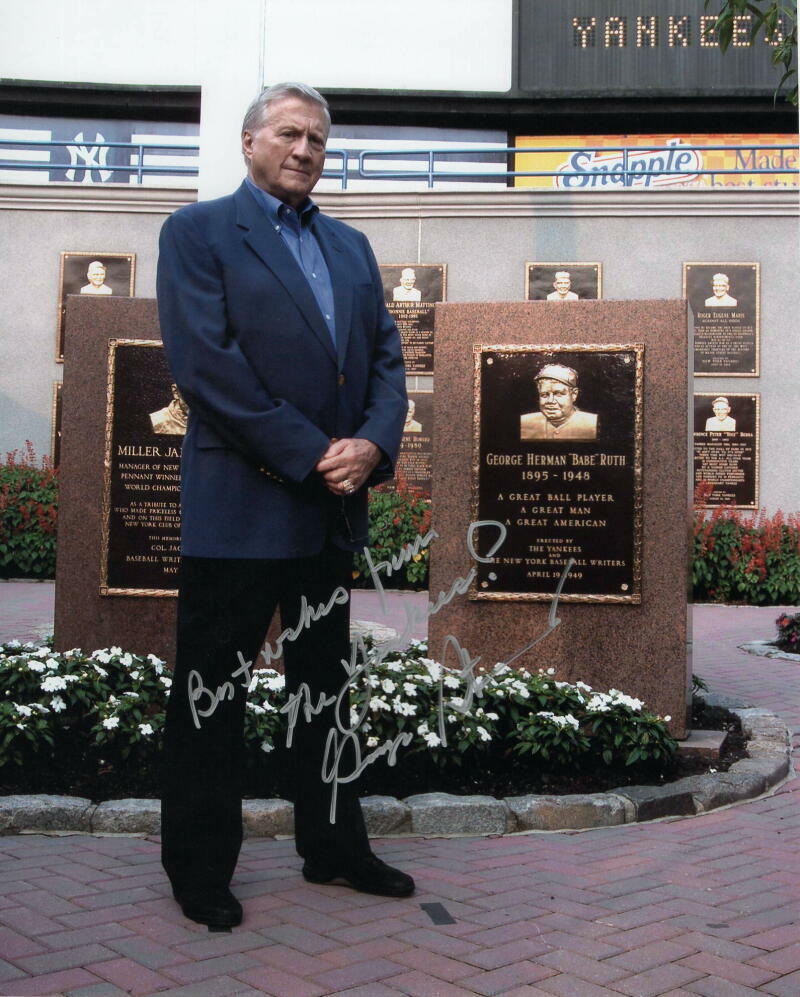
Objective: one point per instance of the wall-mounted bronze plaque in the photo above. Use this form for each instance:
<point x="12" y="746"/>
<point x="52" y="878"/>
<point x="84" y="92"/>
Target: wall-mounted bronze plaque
<point x="563" y="281"/>
<point x="55" y="425"/>
<point x="726" y="447"/>
<point x="145" y="423"/>
<point x="92" y="274"/>
<point x="725" y="303"/>
<point x="416" y="446"/>
<point x="557" y="461"/>
<point x="410" y="291"/>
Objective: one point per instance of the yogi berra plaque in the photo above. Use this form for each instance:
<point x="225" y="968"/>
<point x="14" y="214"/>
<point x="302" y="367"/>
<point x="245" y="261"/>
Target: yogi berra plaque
<point x="557" y="461"/>
<point x="410" y="291"/>
<point x="726" y="447"/>
<point x="145" y="423"/>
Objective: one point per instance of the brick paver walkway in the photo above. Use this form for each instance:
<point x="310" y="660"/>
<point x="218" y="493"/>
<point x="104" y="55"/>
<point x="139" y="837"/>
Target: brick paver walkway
<point x="707" y="905"/>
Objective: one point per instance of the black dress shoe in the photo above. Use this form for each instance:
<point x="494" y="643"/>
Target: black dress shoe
<point x="367" y="875"/>
<point x="217" y="907"/>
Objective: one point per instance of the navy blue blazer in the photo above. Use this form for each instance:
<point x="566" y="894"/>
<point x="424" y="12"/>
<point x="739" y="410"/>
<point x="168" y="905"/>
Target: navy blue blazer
<point x="267" y="391"/>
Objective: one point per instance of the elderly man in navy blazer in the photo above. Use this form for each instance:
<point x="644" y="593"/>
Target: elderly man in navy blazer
<point x="277" y="336"/>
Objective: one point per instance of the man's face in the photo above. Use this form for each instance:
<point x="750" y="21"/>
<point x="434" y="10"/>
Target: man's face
<point x="720" y="287"/>
<point x="562" y="285"/>
<point x="556" y="400"/>
<point x="721" y="410"/>
<point x="286" y="155"/>
<point x="97" y="275"/>
<point x="408" y="279"/>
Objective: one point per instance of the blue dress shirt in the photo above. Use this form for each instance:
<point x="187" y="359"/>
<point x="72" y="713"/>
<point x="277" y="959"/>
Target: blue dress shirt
<point x="295" y="229"/>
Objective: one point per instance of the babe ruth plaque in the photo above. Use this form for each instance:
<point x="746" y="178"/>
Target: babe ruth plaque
<point x="726" y="448"/>
<point x="557" y="462"/>
<point x="410" y="291"/>
<point x="725" y="303"/>
<point x="563" y="281"/>
<point x="145" y="422"/>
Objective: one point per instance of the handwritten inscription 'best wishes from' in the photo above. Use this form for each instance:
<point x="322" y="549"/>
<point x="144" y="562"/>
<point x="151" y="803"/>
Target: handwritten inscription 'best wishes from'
<point x="343" y="741"/>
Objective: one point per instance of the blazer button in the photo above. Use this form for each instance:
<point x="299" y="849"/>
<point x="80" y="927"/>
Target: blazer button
<point x="341" y="380"/>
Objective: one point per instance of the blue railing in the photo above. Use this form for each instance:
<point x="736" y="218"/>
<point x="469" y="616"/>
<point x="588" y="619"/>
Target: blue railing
<point x="605" y="166"/>
<point x="92" y="157"/>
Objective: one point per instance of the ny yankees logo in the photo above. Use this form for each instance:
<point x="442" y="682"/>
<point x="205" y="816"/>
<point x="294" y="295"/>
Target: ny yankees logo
<point x="88" y="159"/>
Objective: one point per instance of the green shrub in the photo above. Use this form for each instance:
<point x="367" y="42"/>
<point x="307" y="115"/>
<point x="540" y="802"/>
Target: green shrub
<point x="92" y="724"/>
<point x="398" y="516"/>
<point x="28" y="515"/>
<point x="751" y="558"/>
<point x="788" y="638"/>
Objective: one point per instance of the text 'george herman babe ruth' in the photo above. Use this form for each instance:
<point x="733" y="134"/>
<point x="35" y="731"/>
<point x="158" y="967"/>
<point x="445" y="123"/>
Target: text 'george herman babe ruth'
<point x="558" y="418"/>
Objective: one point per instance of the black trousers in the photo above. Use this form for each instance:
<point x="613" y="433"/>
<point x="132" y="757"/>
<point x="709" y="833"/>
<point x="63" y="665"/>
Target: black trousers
<point x="224" y="607"/>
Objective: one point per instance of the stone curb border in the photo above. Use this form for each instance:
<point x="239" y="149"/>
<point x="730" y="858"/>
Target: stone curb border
<point x="767" y="649"/>
<point x="769" y="762"/>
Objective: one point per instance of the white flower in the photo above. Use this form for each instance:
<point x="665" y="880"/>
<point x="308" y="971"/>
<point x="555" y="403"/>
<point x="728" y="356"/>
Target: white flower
<point x="551" y="671"/>
<point x="145" y="729"/>
<point x="100" y="671"/>
<point x="43" y="652"/>
<point x="115" y="651"/>
<point x="483" y="734"/>
<point x="583" y="686"/>
<point x="102" y="656"/>
<point x="267" y="747"/>
<point x="432" y="740"/>
<point x="126" y="659"/>
<point x="433" y="668"/>
<point x="376" y="704"/>
<point x="165" y="680"/>
<point x="258" y="710"/>
<point x="131" y="695"/>
<point x="111" y="722"/>
<point x="13" y="643"/>
<point x="157" y="663"/>
<point x="403" y="708"/>
<point x="71" y="678"/>
<point x="451" y="682"/>
<point x="275" y="681"/>
<point x="372" y="742"/>
<point x="567" y="720"/>
<point x="394" y="666"/>
<point x="620" y="699"/>
<point x="387" y="685"/>
<point x="353" y="716"/>
<point x="135" y="675"/>
<point x="53" y="683"/>
<point x="667" y="719"/>
<point x="36" y="666"/>
<point x="57" y="704"/>
<point x="409" y="689"/>
<point x="24" y="711"/>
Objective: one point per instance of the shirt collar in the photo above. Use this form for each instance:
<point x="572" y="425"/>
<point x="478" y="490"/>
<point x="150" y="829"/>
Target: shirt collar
<point x="276" y="210"/>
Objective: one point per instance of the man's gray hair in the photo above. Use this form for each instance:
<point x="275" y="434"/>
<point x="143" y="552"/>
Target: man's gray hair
<point x="256" y="113"/>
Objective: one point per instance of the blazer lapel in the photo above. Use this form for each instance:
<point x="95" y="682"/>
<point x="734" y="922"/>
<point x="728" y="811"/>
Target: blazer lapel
<point x="267" y="244"/>
<point x="342" y="281"/>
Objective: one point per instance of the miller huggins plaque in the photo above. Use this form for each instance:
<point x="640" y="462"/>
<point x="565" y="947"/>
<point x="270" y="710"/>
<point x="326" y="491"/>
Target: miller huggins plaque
<point x="724" y="298"/>
<point x="410" y="291"/>
<point x="145" y="423"/>
<point x="726" y="441"/>
<point x="563" y="281"/>
<point x="557" y="462"/>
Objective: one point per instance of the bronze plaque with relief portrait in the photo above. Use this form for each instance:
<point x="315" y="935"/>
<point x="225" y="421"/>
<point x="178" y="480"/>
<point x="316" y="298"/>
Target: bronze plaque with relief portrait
<point x="145" y="422"/>
<point x="557" y="462"/>
<point x="410" y="291"/>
